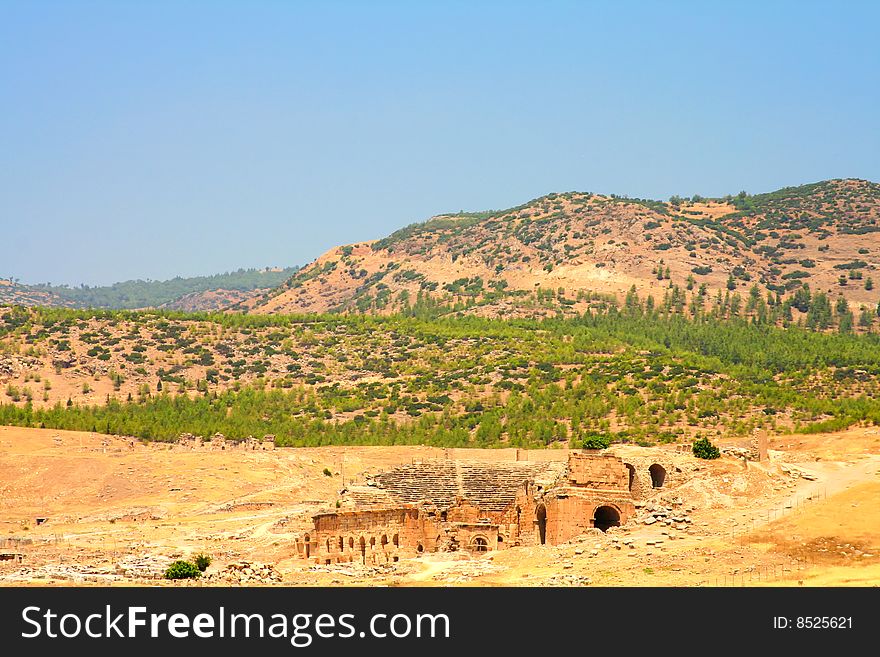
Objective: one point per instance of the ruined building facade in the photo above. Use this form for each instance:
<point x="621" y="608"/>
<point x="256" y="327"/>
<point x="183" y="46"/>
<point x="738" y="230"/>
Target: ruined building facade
<point x="474" y="506"/>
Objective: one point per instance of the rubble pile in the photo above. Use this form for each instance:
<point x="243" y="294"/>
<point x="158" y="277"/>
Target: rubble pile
<point x="673" y="514"/>
<point x="245" y="572"/>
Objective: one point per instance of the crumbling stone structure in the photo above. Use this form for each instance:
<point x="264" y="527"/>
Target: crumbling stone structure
<point x="648" y="472"/>
<point x="442" y="506"/>
<point x="219" y="442"/>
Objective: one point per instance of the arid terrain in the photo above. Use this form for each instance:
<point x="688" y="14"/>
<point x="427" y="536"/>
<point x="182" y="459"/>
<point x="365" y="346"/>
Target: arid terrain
<point x="568" y="252"/>
<point x="573" y="322"/>
<point x="81" y="508"/>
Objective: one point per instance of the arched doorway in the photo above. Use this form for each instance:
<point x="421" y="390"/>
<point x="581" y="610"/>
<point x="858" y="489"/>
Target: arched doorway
<point x="541" y="517"/>
<point x="658" y="475"/>
<point x="363" y="546"/>
<point x="480" y="544"/>
<point x="632" y="474"/>
<point x="308" y="542"/>
<point x="605" y="517"/>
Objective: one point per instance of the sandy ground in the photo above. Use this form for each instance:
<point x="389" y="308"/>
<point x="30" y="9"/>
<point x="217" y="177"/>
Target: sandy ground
<point x="117" y="510"/>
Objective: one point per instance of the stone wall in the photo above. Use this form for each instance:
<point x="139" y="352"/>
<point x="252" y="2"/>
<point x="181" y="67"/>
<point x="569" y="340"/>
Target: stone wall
<point x="371" y="536"/>
<point x="571" y="514"/>
<point x="219" y="442"/>
<point x="377" y="536"/>
<point x="598" y="470"/>
<point x="649" y="470"/>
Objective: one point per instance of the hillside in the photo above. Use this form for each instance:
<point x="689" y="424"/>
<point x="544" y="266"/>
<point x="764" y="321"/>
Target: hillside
<point x="568" y="252"/>
<point x="196" y="293"/>
<point x="463" y="382"/>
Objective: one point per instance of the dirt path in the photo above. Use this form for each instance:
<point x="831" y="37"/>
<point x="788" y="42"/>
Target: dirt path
<point x="830" y="478"/>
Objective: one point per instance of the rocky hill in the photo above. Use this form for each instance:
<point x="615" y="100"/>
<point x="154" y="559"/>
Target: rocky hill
<point x="13" y="293"/>
<point x="566" y="252"/>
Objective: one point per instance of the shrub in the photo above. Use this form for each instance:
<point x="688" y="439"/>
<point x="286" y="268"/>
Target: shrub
<point x="327" y="472"/>
<point x="182" y="570"/>
<point x="202" y="561"/>
<point x="596" y="441"/>
<point x="704" y="449"/>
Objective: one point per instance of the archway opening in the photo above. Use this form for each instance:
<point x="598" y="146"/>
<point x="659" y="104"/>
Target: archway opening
<point x="308" y="542"/>
<point x="605" y="517"/>
<point x="395" y="540"/>
<point x="632" y="474"/>
<point x="658" y="475"/>
<point x="420" y="548"/>
<point x="541" y="516"/>
<point x="384" y="540"/>
<point x="480" y="544"/>
<point x="363" y="546"/>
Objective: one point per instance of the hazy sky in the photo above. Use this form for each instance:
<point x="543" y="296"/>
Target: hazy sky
<point x="150" y="139"/>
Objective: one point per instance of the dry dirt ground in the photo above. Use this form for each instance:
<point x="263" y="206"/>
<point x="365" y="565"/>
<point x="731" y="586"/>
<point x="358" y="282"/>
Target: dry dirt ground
<point x="117" y="512"/>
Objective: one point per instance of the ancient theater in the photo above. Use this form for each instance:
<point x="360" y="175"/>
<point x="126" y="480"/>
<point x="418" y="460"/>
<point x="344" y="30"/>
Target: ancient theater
<point x="447" y="505"/>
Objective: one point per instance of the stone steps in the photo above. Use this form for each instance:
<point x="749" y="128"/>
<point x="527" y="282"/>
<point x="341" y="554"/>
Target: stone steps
<point x="490" y="486"/>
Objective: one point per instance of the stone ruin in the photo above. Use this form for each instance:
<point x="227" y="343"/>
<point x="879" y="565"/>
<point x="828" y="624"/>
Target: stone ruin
<point x="219" y="442"/>
<point x="478" y="507"/>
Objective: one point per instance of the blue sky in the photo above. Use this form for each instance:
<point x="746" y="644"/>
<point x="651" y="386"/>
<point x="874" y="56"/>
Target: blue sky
<point x="147" y="140"/>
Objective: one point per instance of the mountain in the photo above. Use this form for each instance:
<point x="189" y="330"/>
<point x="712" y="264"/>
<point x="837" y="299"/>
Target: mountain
<point x="206" y="293"/>
<point x="567" y="252"/>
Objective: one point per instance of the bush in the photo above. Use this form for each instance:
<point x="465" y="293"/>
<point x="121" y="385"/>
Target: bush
<point x="182" y="570"/>
<point x="202" y="561"/>
<point x="596" y="441"/>
<point x="327" y="472"/>
<point x="704" y="449"/>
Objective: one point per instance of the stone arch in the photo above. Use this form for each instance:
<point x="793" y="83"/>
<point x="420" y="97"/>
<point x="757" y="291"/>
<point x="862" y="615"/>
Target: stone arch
<point x="606" y="516"/>
<point x="363" y="546"/>
<point x="372" y="542"/>
<point x="395" y="540"/>
<point x="631" y="470"/>
<point x="541" y="519"/>
<point x="308" y="541"/>
<point x="480" y="544"/>
<point x="384" y="540"/>
<point x="420" y="548"/>
<point x="658" y="475"/>
<point x="351" y="542"/>
<point x="341" y="544"/>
